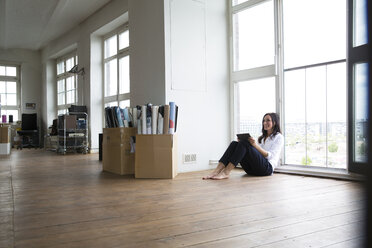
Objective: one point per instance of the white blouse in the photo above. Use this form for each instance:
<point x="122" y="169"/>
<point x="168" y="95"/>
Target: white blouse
<point x="273" y="145"/>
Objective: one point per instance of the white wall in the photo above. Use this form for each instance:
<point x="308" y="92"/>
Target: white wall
<point x="158" y="57"/>
<point x="30" y="62"/>
<point x="49" y="100"/>
<point x="83" y="38"/>
<point x="201" y="94"/>
<point x="203" y="124"/>
<point x="147" y="55"/>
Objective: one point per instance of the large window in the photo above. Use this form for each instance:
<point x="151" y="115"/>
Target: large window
<point x="254" y="75"/>
<point x="116" y="68"/>
<point x="66" y="83"/>
<point x="315" y="94"/>
<point x="290" y="57"/>
<point x="250" y="104"/>
<point x="10" y="91"/>
<point x="254" y="36"/>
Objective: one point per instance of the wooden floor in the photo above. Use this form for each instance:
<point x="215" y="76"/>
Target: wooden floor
<point x="50" y="200"/>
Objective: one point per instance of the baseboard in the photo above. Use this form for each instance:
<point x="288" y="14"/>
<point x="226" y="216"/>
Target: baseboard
<point x="320" y="172"/>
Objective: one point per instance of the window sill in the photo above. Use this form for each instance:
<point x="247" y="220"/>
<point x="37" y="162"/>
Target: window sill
<point x="320" y="172"/>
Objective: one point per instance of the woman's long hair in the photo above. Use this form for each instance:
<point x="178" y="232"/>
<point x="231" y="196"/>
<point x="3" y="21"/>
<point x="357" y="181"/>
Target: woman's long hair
<point x="276" y="126"/>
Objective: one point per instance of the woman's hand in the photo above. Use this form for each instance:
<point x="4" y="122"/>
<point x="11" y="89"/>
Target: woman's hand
<point x="259" y="149"/>
<point x="252" y="141"/>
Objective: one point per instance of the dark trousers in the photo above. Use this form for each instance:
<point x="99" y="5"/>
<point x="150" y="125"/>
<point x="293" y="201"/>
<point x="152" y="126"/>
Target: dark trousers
<point x="249" y="158"/>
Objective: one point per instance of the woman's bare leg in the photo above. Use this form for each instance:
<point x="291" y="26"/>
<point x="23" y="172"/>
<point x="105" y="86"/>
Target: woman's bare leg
<point x="216" y="171"/>
<point x="225" y="173"/>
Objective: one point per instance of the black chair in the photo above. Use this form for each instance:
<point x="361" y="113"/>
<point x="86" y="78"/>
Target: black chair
<point x="29" y="131"/>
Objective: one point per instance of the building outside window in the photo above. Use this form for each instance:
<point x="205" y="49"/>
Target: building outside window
<point x="66" y="83"/>
<point x="10" y="89"/>
<point x="116" y="68"/>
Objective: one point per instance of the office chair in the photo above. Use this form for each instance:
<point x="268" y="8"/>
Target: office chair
<point x="29" y="131"/>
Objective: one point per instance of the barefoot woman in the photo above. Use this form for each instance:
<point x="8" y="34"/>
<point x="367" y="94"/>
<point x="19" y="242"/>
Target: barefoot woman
<point x="256" y="159"/>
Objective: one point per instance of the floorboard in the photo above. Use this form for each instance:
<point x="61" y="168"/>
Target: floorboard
<point x="51" y="200"/>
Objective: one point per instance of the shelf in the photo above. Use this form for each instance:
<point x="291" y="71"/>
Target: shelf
<point x="75" y="139"/>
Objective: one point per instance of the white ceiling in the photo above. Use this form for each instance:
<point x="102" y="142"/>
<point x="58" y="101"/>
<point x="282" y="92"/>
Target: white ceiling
<point x="31" y="24"/>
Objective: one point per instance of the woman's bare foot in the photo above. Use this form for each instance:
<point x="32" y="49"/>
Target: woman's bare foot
<point x="216" y="171"/>
<point x="222" y="175"/>
<point x="225" y="173"/>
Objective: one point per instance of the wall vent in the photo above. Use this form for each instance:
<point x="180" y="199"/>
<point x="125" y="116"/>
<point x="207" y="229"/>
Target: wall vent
<point x="189" y="158"/>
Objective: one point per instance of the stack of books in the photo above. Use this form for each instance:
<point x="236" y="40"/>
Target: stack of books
<point x="148" y="119"/>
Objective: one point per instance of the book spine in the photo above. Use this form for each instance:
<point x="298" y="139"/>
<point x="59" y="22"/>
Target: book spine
<point x="143" y="119"/>
<point x="148" y="119"/>
<point x="135" y="117"/>
<point x="166" y="119"/>
<point x="160" y="120"/>
<point x="118" y="116"/>
<point x="172" y="117"/>
<point x="154" y="120"/>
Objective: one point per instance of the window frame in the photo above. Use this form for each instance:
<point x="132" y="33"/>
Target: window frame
<point x="355" y="55"/>
<point x="120" y="53"/>
<point x="16" y="79"/>
<point x="273" y="70"/>
<point x="63" y="108"/>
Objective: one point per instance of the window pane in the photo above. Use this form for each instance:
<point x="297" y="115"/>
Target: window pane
<point x="124" y="104"/>
<point x="70" y="63"/>
<point x="124" y="75"/>
<point x="316" y="90"/>
<point x="295" y="118"/>
<point x="110" y="46"/>
<point x="11" y="99"/>
<point x="360" y="112"/>
<point x="3" y="99"/>
<point x="124" y="39"/>
<point x="70" y="95"/>
<point x="61" y="99"/>
<point x="236" y="2"/>
<point x="308" y="40"/>
<point x="11" y="71"/>
<point x="336" y="116"/>
<point x="2" y="70"/>
<point x="111" y="78"/>
<point x="111" y="104"/>
<point x="60" y="68"/>
<point x="61" y="86"/>
<point x="11" y="87"/>
<point x="2" y="87"/>
<point x="360" y="23"/>
<point x="62" y="111"/>
<point x="249" y="112"/>
<point x="70" y="83"/>
<point x="315" y="116"/>
<point x="254" y="36"/>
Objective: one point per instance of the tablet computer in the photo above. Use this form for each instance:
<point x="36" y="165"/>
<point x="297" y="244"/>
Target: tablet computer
<point x="243" y="136"/>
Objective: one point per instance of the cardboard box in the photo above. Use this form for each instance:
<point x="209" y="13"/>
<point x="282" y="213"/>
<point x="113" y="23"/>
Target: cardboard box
<point x="156" y="156"/>
<point x="4" y="134"/>
<point x="116" y="150"/>
<point x="4" y="148"/>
